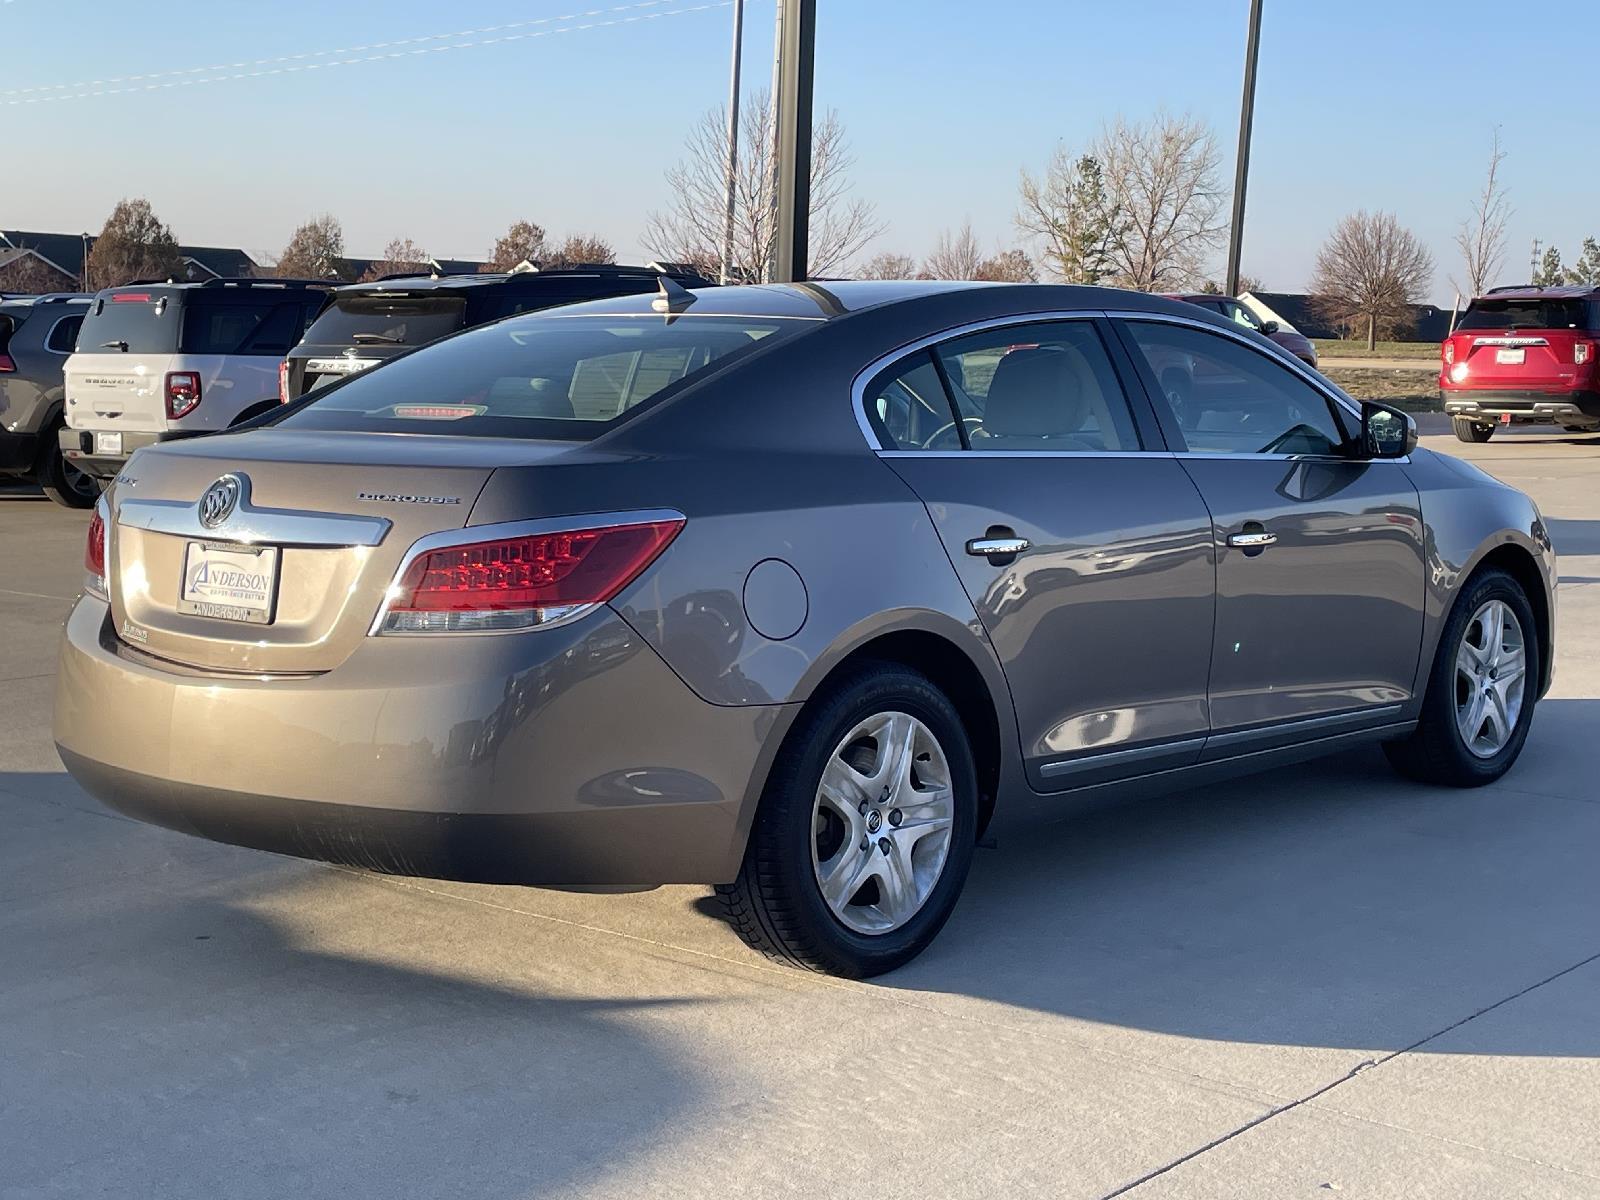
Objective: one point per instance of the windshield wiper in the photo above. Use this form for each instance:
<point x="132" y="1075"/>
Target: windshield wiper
<point x="376" y="337"/>
<point x="123" y="346"/>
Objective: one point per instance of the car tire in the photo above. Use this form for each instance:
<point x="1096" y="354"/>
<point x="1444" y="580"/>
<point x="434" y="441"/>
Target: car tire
<point x="1439" y="751"/>
<point x="64" y="483"/>
<point x="1471" y="431"/>
<point x="893" y="887"/>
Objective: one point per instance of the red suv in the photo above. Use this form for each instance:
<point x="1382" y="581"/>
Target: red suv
<point x="1525" y="355"/>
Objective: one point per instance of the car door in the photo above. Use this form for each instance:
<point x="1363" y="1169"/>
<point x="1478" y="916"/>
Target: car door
<point x="1320" y="553"/>
<point x="1084" y="546"/>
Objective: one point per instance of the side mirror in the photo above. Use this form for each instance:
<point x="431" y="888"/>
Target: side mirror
<point x="1386" y="432"/>
<point x="1271" y="327"/>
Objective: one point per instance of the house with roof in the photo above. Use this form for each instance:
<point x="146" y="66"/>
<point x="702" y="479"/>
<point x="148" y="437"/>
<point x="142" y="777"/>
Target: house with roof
<point x="25" y="270"/>
<point x="65" y="253"/>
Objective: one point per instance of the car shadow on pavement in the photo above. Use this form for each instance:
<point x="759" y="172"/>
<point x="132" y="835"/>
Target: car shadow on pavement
<point x="199" y="1027"/>
<point x="1574" y="537"/>
<point x="1330" y="905"/>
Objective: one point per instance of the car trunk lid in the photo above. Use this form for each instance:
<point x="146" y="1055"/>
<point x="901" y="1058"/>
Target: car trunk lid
<point x="290" y="579"/>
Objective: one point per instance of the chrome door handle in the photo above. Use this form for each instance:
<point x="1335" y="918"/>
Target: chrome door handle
<point x="1253" y="540"/>
<point x="985" y="546"/>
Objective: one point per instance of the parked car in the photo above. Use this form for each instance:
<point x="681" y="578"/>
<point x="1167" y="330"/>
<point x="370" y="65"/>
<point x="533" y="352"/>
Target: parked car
<point x="366" y="323"/>
<point x="1525" y="356"/>
<point x="1294" y="342"/>
<point x="161" y="361"/>
<point x="36" y="336"/>
<point x="784" y="589"/>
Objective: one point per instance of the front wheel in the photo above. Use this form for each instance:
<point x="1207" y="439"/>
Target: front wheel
<point x="1471" y="431"/>
<point x="1481" y="691"/>
<point x="865" y="831"/>
<point x="63" y="482"/>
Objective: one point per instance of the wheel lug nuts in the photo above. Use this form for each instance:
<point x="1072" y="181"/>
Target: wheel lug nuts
<point x="885" y="795"/>
<point x="865" y="845"/>
<point x="862" y="808"/>
<point x="896" y="816"/>
<point x="884" y="845"/>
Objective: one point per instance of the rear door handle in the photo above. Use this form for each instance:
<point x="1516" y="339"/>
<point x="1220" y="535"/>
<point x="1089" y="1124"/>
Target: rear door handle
<point x="989" y="547"/>
<point x="1254" y="539"/>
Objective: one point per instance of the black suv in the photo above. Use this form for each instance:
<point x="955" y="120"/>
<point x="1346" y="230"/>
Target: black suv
<point x="366" y="323"/>
<point x="37" y="333"/>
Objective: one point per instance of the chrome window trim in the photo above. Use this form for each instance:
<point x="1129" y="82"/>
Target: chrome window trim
<point x="858" y="387"/>
<point x="250" y="525"/>
<point x="469" y="534"/>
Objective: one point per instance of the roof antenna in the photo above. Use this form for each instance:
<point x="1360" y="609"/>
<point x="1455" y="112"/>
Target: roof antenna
<point x="673" y="298"/>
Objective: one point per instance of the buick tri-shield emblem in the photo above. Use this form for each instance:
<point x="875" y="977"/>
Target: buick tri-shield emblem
<point x="219" y="501"/>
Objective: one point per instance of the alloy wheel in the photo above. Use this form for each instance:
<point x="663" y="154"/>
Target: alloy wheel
<point x="1491" y="677"/>
<point x="881" y="822"/>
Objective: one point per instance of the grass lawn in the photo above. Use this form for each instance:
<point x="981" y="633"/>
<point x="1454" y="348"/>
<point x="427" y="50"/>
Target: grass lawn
<point x="1409" y="390"/>
<point x="1357" y="348"/>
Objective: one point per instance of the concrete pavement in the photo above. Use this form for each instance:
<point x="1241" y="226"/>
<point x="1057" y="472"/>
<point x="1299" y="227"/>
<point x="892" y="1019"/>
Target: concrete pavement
<point x="1314" y="980"/>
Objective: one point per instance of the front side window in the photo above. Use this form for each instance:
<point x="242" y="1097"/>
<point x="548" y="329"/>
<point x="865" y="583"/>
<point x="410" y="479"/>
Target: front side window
<point x="552" y="378"/>
<point x="1230" y="399"/>
<point x="1046" y="386"/>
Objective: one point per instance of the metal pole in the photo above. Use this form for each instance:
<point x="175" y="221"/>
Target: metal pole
<point x="733" y="139"/>
<point x="1247" y="112"/>
<point x="770" y="265"/>
<point x="797" y="63"/>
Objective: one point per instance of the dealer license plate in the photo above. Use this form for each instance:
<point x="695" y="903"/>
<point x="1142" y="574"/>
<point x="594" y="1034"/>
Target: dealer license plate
<point x="1511" y="358"/>
<point x="229" y="582"/>
<point x="108" y="443"/>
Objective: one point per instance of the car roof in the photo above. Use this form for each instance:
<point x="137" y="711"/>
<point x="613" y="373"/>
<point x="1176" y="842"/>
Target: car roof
<point x="1580" y="291"/>
<point x="518" y="280"/>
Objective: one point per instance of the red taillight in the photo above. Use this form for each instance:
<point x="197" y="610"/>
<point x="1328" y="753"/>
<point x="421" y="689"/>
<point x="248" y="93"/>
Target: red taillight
<point x="1449" y="351"/>
<point x="183" y="393"/>
<point x="6" y="364"/>
<point x="94" y="552"/>
<point x="283" y="382"/>
<point x="1582" y="352"/>
<point x="520" y="582"/>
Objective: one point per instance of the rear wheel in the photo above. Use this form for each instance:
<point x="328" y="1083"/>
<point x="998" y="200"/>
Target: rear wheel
<point x="62" y="481"/>
<point x="1481" y="692"/>
<point x="865" y="832"/>
<point x="1471" y="431"/>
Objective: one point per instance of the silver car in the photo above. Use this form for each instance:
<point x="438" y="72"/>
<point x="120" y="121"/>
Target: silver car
<point x="786" y="589"/>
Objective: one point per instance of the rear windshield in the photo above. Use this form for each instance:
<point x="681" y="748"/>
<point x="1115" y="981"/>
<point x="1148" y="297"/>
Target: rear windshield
<point x="386" y="320"/>
<point x="1531" y="314"/>
<point x="269" y="329"/>
<point x="552" y="378"/>
<point x="132" y="322"/>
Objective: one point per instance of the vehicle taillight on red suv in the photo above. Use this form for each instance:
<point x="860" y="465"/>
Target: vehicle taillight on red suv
<point x="283" y="382"/>
<point x="183" y="393"/>
<point x="1582" y="352"/>
<point x="1449" y="351"/>
<point x="522" y="582"/>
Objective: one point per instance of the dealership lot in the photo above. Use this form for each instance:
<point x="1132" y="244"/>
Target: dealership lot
<point x="1317" y="978"/>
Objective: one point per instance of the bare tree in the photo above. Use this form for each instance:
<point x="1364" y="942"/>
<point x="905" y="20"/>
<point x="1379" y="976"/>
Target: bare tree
<point x="1008" y="266"/>
<point x="1067" y="209"/>
<point x="956" y="255"/>
<point x="889" y="266"/>
<point x="580" y="249"/>
<point x="1482" y="239"/>
<point x="401" y="256"/>
<point x="1369" y="272"/>
<point x="523" y="241"/>
<point x="316" y="251"/>
<point x="1163" y="185"/>
<point x="691" y="230"/>
<point x="133" y="245"/>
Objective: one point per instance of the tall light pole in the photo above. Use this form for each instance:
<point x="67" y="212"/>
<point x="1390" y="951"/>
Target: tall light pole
<point x="796" y="68"/>
<point x="733" y="140"/>
<point x="1241" y="173"/>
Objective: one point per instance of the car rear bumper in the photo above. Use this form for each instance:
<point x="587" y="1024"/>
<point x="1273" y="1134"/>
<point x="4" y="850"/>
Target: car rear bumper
<point x="77" y="447"/>
<point x="570" y="756"/>
<point x="1549" y="407"/>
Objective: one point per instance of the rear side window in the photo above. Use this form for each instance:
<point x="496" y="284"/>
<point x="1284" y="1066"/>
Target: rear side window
<point x="1530" y="314"/>
<point x="909" y="409"/>
<point x="132" y="323"/>
<point x="241" y="328"/>
<point x="553" y="378"/>
<point x="386" y="320"/>
<point x="65" y="334"/>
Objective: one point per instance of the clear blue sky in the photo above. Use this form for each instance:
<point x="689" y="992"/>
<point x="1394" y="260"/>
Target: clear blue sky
<point x="1384" y="105"/>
